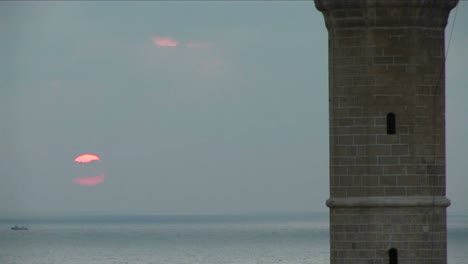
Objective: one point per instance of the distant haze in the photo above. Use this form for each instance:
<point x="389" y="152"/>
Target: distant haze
<point x="193" y="107"/>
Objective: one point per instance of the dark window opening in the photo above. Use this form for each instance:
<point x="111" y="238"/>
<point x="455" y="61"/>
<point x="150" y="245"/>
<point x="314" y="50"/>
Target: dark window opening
<point x="391" y="124"/>
<point x="393" y="256"/>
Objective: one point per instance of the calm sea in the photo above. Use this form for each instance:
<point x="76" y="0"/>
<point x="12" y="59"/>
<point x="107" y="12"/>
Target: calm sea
<point x="184" y="239"/>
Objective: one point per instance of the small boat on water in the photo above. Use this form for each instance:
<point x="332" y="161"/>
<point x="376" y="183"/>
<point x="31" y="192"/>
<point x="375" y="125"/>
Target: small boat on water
<point x="16" y="227"/>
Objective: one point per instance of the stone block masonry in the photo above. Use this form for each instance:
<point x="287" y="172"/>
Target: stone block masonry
<point x="387" y="130"/>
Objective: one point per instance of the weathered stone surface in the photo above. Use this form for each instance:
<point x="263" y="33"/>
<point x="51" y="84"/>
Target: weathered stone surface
<point x="387" y="190"/>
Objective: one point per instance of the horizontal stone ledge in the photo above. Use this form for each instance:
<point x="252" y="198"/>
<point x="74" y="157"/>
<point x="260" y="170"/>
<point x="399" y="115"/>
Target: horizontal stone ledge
<point x="429" y="14"/>
<point x="389" y="201"/>
<point x="326" y="5"/>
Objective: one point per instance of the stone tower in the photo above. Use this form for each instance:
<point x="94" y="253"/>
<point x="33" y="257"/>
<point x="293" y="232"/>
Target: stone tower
<point x="387" y="130"/>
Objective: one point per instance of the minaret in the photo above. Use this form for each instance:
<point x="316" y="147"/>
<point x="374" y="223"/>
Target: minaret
<point x="387" y="130"/>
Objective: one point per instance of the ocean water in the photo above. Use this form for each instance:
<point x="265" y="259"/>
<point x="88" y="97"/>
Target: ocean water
<point x="184" y="239"/>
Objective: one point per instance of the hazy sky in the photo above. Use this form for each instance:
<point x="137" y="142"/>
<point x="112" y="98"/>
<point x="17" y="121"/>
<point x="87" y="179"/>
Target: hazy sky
<point x="194" y="107"/>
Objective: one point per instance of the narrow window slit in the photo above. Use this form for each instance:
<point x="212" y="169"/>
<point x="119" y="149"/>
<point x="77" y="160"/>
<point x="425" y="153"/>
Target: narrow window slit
<point x="391" y="124"/>
<point x="393" y="256"/>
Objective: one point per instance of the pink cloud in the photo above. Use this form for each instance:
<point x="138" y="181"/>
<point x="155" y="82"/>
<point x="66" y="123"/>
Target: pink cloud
<point x="165" y="42"/>
<point x="90" y="181"/>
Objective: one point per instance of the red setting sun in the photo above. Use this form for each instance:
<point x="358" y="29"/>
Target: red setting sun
<point x="84" y="158"/>
<point x="90" y="180"/>
<point x="89" y="170"/>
